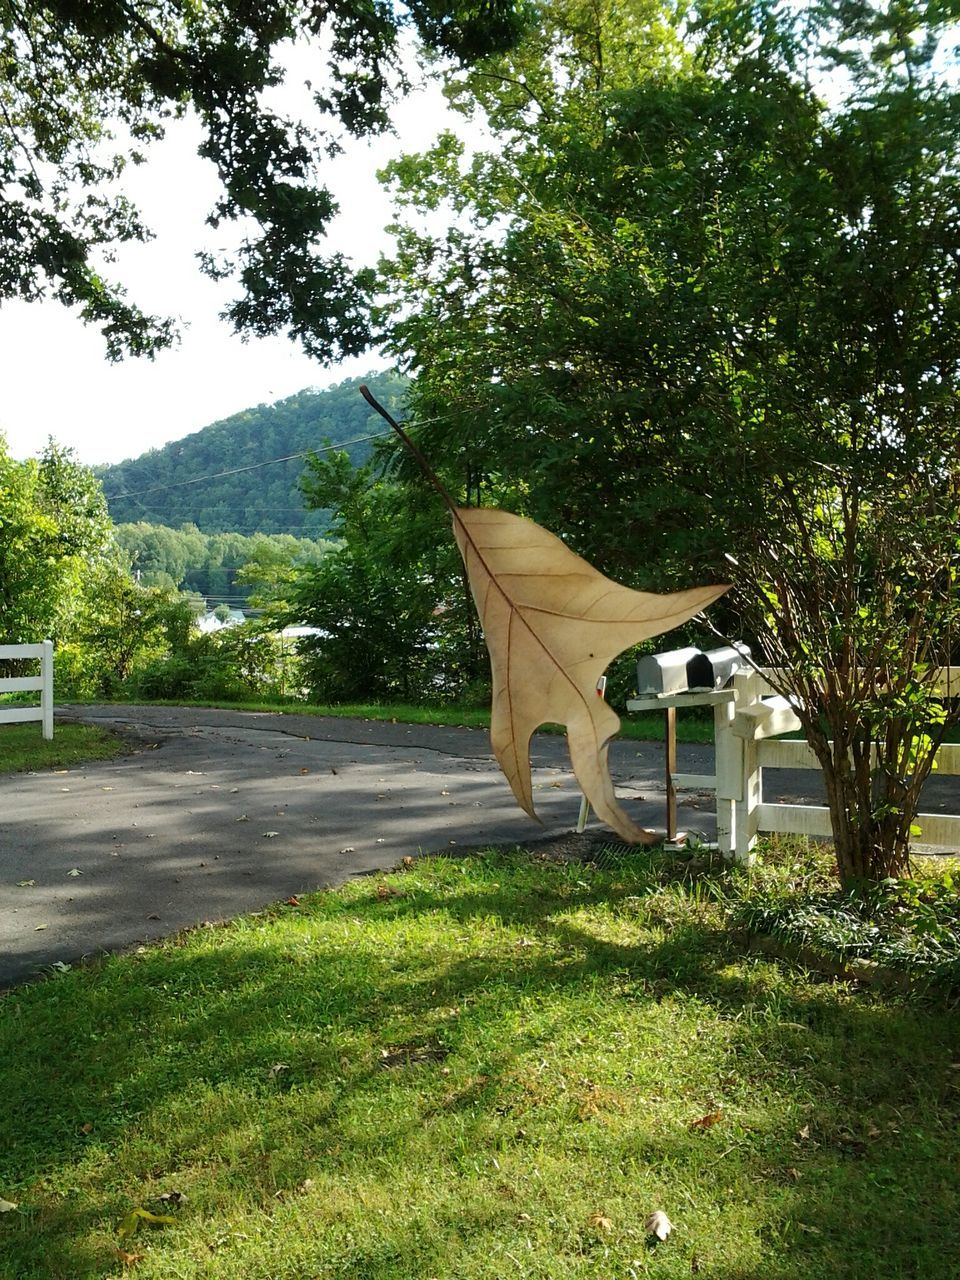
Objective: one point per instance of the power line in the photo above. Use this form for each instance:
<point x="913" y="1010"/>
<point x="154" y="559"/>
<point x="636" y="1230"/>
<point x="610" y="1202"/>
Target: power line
<point x="253" y="466"/>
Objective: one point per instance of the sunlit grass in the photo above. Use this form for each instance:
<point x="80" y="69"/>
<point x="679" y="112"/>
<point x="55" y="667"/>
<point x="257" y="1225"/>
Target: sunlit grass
<point x="476" y="1069"/>
<point x="22" y="746"/>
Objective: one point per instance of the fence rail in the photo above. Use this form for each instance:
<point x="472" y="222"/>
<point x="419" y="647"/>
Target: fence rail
<point x="748" y="717"/>
<point x="42" y="684"/>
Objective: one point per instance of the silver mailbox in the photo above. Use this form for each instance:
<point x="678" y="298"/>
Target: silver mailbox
<point x="717" y="667"/>
<point x="659" y="673"/>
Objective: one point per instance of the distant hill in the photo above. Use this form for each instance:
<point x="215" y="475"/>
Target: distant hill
<point x="181" y="483"/>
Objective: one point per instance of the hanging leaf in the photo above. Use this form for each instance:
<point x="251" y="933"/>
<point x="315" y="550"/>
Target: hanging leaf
<point x="553" y="624"/>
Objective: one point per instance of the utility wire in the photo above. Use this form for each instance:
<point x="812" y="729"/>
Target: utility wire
<point x="253" y="466"/>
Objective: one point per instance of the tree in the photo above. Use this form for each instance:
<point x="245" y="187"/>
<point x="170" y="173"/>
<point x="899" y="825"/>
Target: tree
<point x="119" y="626"/>
<point x="393" y="616"/>
<point x="718" y="319"/>
<point x="87" y="87"/>
<point x="53" y="526"/>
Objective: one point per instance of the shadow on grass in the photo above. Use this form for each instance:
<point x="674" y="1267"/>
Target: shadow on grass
<point x="260" y="1064"/>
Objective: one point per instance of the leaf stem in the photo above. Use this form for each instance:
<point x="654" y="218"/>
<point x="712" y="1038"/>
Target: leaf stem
<point x="414" y="448"/>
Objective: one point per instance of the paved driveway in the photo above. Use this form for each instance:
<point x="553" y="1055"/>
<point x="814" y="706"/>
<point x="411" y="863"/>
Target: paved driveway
<point x="218" y="812"/>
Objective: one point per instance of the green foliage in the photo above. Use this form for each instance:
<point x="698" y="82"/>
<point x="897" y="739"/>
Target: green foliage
<point x="89" y="87"/>
<point x="228" y="567"/>
<point x="911" y="924"/>
<point x="171" y="487"/>
<point x="53" y="523"/>
<point x="119" y="627"/>
<point x="390" y="602"/>
<point x="706" y="324"/>
<point x="236" y="664"/>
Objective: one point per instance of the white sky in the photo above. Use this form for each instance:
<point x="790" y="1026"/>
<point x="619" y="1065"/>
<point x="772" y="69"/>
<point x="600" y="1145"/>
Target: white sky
<point x="55" y="377"/>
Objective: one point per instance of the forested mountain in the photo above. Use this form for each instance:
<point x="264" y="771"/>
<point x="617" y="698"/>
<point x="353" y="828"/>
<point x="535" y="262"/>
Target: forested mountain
<point x="183" y="483"/>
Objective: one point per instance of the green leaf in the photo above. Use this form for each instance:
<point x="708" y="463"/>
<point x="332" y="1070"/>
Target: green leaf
<point x="133" y="1219"/>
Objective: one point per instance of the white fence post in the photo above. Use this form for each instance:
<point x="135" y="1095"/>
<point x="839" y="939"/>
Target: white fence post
<point x="748" y="826"/>
<point x="747" y="810"/>
<point x="729" y="773"/>
<point x="46" y="692"/>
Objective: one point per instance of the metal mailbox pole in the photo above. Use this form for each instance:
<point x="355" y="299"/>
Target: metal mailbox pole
<point x="670" y="738"/>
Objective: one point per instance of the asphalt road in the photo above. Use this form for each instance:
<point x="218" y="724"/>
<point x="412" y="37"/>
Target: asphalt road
<point x="213" y="813"/>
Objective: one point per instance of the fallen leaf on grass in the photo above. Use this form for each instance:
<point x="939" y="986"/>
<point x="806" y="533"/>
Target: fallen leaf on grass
<point x="7" y="1206"/>
<point x="407" y="862"/>
<point x="87" y="1128"/>
<point x="293" y="901"/>
<point x="601" y="1222"/>
<point x="804" y="1133"/>
<point x="172" y="1197"/>
<point x="708" y="1121"/>
<point x="658" y="1224"/>
<point x="128" y="1259"/>
<point x="278" y="1068"/>
<point x="385" y="891"/>
<point x="133" y="1219"/>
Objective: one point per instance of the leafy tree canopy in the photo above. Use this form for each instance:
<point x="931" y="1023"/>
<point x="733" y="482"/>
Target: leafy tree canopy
<point x="220" y="566"/>
<point x="86" y="86"/>
<point x="705" y="316"/>
<point x="53" y="524"/>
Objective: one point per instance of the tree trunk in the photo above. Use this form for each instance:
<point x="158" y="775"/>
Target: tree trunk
<point x="871" y="812"/>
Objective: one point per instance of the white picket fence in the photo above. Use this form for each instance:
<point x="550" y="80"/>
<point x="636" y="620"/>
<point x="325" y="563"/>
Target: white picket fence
<point x="747" y="717"/>
<point x="42" y="684"/>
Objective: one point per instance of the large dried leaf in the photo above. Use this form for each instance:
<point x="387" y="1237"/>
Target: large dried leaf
<point x="553" y="624"/>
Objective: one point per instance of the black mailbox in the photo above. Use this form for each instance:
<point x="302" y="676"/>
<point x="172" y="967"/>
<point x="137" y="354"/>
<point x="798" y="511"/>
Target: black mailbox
<point x="661" y="673"/>
<point x="717" y="667"/>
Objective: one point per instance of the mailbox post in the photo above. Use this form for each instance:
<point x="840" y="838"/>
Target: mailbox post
<point x="686" y="678"/>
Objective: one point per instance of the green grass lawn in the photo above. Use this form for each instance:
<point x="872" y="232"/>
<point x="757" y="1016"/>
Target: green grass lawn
<point x="492" y="1067"/>
<point x="22" y="746"/>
